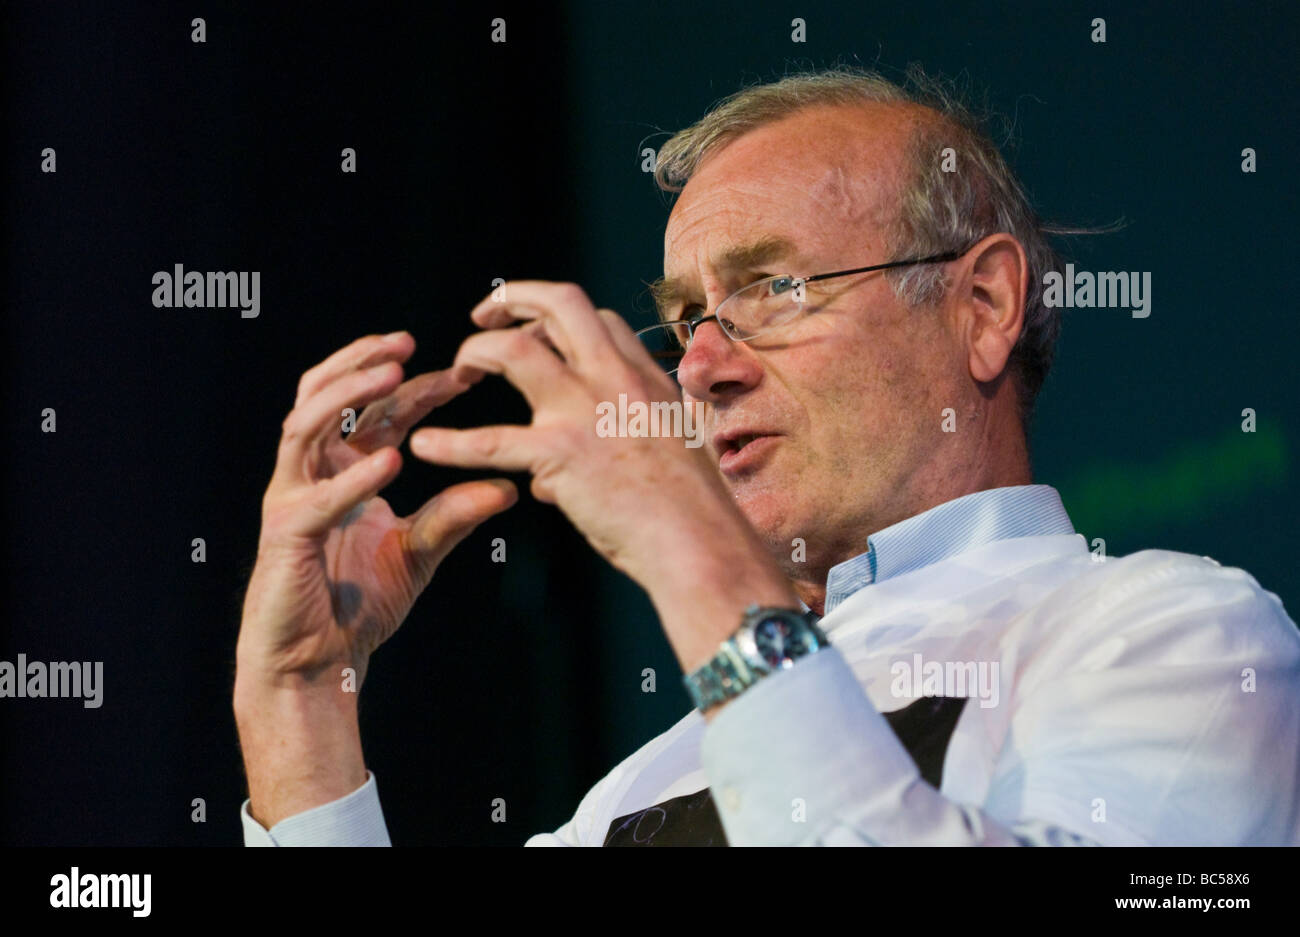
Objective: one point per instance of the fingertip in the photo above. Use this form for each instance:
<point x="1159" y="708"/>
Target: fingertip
<point x="386" y="458"/>
<point x="397" y="346"/>
<point x="508" y="489"/>
<point x="466" y="374"/>
<point x="423" y="443"/>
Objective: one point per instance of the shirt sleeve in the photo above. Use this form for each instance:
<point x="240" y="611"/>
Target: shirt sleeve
<point x="803" y="758"/>
<point x="355" y="819"/>
<point x="1154" y="729"/>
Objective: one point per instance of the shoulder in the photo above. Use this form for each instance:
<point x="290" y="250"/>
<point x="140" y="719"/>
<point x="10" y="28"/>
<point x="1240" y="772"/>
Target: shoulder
<point x="1175" y="678"/>
<point x="1158" y="591"/>
<point x="1152" y="615"/>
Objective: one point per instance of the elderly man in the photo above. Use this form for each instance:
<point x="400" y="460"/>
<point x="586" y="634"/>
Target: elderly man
<point x="891" y="636"/>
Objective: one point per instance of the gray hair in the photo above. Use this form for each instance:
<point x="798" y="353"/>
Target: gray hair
<point x="940" y="211"/>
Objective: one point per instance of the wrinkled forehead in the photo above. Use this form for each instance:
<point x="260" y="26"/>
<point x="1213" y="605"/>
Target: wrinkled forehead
<point x="821" y="176"/>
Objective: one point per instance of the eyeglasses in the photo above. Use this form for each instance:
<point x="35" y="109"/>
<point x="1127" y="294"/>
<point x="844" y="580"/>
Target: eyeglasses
<point x="753" y="310"/>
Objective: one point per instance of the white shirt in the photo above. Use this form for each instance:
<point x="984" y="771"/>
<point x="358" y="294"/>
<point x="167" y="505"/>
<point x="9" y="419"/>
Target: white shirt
<point x="1148" y="699"/>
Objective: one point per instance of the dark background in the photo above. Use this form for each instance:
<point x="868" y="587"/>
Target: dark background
<point x="477" y="160"/>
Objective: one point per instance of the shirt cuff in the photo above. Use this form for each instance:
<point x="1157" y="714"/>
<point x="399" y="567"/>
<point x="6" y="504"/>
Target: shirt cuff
<point x="355" y="819"/>
<point x="797" y="751"/>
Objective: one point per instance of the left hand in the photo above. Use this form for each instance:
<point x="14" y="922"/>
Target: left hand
<point x="653" y="507"/>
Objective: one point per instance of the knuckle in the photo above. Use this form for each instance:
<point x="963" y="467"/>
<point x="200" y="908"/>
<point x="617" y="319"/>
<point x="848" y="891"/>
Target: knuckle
<point x="276" y="512"/>
<point x="485" y="443"/>
<point x="572" y="293"/>
<point x="570" y="439"/>
<point x="520" y="342"/>
<point x="318" y="499"/>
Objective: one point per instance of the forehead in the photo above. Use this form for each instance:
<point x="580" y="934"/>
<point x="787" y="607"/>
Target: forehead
<point x="822" y="176"/>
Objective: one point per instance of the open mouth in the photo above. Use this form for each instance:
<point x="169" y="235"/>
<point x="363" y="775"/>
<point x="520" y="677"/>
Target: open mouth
<point x="743" y="452"/>
<point x="740" y="442"/>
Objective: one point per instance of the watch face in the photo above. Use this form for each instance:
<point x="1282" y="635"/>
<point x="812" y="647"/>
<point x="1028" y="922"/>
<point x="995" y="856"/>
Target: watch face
<point x="777" y="642"/>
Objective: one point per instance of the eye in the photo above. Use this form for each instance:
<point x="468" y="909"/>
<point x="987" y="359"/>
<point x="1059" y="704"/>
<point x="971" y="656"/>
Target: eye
<point x="779" y="285"/>
<point x="692" y="313"/>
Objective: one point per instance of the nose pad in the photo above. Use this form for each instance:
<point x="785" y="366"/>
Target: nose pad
<point x="696" y="338"/>
<point x="711" y="320"/>
<point x="709" y="372"/>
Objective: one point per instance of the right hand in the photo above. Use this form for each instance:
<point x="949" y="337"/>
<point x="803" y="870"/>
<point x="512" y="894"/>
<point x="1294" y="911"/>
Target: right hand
<point x="337" y="571"/>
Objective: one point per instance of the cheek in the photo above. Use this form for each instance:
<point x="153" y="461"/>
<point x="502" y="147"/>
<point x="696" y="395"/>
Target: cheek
<point x="863" y="412"/>
<point x="840" y="414"/>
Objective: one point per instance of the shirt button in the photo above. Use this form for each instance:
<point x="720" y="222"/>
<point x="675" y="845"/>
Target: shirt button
<point x="731" y="798"/>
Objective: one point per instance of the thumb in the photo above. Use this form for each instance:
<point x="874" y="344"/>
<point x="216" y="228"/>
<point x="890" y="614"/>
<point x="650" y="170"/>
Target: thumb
<point x="449" y="516"/>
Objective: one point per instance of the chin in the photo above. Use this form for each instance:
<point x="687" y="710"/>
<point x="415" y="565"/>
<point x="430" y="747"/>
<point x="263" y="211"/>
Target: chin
<point x="768" y="515"/>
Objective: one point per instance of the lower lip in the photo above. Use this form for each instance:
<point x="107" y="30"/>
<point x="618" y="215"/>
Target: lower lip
<point x="736" y="461"/>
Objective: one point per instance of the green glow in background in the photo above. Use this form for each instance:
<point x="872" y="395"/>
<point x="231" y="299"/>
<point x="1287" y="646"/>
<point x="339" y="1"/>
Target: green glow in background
<point x="1190" y="482"/>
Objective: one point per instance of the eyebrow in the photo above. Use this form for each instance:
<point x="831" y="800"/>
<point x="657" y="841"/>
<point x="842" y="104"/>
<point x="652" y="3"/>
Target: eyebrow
<point x="669" y="290"/>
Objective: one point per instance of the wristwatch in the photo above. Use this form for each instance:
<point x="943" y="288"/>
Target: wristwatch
<point x="768" y="639"/>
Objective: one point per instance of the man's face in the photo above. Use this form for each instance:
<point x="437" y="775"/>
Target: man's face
<point x="847" y="399"/>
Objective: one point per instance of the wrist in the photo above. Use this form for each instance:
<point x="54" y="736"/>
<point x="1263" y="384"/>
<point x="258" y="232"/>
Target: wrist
<point x="769" y="640"/>
<point x="703" y="588"/>
<point x="301" y="746"/>
<point x="290" y="698"/>
<point x="261" y="670"/>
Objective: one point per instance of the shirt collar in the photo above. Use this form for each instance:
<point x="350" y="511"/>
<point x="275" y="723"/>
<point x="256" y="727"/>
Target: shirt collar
<point x="947" y="530"/>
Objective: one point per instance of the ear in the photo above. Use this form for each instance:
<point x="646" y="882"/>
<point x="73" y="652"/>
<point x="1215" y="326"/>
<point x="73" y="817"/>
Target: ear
<point x="991" y="303"/>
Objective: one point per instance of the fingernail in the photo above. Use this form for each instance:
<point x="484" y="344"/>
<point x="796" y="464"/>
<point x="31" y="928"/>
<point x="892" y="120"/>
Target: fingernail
<point x="393" y="336"/>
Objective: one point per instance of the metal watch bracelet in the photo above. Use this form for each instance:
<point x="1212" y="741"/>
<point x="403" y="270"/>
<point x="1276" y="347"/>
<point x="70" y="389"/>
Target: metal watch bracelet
<point x="741" y="661"/>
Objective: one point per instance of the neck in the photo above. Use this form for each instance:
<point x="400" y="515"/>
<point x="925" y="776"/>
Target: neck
<point x="813" y="595"/>
<point x="1001" y="463"/>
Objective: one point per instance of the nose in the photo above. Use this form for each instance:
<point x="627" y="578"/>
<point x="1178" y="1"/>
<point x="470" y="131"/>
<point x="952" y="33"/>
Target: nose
<point x="714" y="367"/>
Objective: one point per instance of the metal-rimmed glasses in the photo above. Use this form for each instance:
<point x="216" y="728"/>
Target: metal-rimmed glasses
<point x="753" y="310"/>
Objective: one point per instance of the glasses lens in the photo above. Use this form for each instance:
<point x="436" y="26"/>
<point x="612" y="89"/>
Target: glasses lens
<point x="762" y="306"/>
<point x="666" y="343"/>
